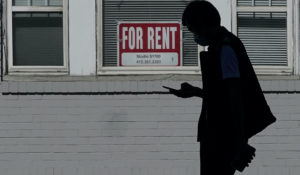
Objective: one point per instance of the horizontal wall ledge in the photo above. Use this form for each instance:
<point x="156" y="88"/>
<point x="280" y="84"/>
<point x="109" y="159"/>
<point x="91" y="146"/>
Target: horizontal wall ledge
<point x="117" y="93"/>
<point x="129" y="85"/>
<point x="67" y="78"/>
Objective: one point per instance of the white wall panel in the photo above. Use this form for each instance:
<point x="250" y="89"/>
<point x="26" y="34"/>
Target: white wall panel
<point x="82" y="37"/>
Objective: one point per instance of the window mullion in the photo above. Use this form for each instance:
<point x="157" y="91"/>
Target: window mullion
<point x="262" y="9"/>
<point x="36" y="9"/>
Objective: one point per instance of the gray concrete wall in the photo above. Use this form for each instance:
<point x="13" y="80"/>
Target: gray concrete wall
<point x="127" y="134"/>
<point x="126" y="125"/>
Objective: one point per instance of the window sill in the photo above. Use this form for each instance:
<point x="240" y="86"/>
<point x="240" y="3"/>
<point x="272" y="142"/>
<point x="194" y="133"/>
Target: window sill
<point x="172" y="77"/>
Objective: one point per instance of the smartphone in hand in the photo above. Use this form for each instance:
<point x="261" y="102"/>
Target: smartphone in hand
<point x="166" y="87"/>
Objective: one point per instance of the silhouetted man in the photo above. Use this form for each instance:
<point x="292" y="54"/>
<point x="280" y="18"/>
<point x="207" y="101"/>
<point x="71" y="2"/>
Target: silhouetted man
<point x="234" y="108"/>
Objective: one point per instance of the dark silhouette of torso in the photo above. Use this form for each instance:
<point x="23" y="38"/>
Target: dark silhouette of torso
<point x="216" y="130"/>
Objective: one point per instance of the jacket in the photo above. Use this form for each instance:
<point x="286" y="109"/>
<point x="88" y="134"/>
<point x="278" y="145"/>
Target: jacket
<point x="214" y="122"/>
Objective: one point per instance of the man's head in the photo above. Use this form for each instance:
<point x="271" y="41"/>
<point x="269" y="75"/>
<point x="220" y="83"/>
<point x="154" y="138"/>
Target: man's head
<point x="201" y="18"/>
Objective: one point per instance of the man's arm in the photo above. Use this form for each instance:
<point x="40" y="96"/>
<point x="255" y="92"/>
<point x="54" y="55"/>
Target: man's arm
<point x="198" y="92"/>
<point x="232" y="85"/>
<point x="242" y="152"/>
<point x="234" y="97"/>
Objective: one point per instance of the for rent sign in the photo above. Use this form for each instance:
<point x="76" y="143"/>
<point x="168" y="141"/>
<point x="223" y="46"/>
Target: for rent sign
<point x="149" y="44"/>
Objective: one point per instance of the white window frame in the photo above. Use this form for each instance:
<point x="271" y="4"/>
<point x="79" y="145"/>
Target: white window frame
<point x="103" y="70"/>
<point x="37" y="69"/>
<point x="289" y="9"/>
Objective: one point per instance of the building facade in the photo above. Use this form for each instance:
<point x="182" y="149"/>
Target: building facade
<point x="81" y="86"/>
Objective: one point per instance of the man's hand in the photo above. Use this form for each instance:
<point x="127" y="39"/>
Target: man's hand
<point x="186" y="91"/>
<point x="243" y="158"/>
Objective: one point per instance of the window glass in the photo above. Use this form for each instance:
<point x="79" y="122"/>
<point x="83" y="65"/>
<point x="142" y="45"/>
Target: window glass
<point x="20" y="2"/>
<point x="37" y="2"/>
<point x="264" y="36"/>
<point x="261" y="2"/>
<point x="55" y="2"/>
<point x="264" y="31"/>
<point x="143" y="11"/>
<point x="37" y="39"/>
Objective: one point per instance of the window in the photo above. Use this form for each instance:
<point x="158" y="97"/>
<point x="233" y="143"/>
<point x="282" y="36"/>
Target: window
<point x="37" y="36"/>
<point x="265" y="28"/>
<point x="114" y="16"/>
